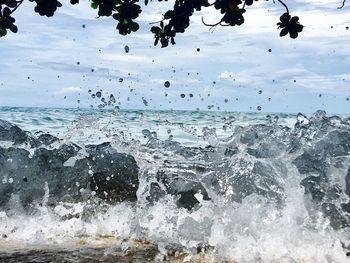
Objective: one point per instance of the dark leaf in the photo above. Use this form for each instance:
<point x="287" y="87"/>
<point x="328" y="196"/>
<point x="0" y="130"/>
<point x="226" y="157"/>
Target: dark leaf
<point x="13" y="28"/>
<point x="3" y="32"/>
<point x="156" y="40"/>
<point x="134" y="26"/>
<point x="6" y="12"/>
<point x="168" y="14"/>
<point x="94" y="5"/>
<point x="285" y="18"/>
<point x="298" y="27"/>
<point x="294" y="19"/>
<point x="11" y="3"/>
<point x="283" y="32"/>
<point x="155" y="30"/>
<point x="293" y="34"/>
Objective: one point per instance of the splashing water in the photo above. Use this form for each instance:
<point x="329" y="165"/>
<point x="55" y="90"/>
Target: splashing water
<point x="226" y="186"/>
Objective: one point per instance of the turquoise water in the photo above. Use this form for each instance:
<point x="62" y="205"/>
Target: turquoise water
<point x="185" y="126"/>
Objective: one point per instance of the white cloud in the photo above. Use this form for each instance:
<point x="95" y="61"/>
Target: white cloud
<point x="237" y="58"/>
<point x="226" y="75"/>
<point x="67" y="90"/>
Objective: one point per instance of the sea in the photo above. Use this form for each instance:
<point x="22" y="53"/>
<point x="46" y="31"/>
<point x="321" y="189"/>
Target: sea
<point x="110" y="185"/>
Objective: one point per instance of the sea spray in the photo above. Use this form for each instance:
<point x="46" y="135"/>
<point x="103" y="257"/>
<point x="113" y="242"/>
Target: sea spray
<point x="254" y="189"/>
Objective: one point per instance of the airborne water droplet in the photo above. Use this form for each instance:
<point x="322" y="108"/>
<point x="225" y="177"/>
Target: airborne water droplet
<point x="167" y="84"/>
<point x="145" y="102"/>
<point x="127" y="49"/>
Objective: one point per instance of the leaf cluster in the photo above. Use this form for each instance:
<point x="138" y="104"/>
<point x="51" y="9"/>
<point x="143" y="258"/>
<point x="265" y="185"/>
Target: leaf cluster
<point x="6" y="20"/>
<point x="177" y="20"/>
<point x="124" y="11"/>
<point x="46" y="7"/>
<point x="289" y="25"/>
<point x="174" y="21"/>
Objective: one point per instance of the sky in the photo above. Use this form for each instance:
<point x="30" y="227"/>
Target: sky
<point x="56" y="62"/>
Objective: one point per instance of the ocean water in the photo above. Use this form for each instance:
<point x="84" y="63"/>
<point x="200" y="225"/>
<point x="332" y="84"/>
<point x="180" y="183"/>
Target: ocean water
<point x="86" y="185"/>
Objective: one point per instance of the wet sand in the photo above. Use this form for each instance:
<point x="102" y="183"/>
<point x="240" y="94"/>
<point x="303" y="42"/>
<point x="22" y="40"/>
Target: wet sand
<point x="102" y="249"/>
<point x="77" y="256"/>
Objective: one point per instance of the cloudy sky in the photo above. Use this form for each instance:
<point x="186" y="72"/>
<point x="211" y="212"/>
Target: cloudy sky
<point x="56" y="61"/>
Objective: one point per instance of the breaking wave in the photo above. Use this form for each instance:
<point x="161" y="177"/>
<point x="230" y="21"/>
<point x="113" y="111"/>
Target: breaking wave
<point x="263" y="192"/>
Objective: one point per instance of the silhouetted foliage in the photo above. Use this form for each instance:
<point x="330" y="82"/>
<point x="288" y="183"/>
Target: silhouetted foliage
<point x="174" y="21"/>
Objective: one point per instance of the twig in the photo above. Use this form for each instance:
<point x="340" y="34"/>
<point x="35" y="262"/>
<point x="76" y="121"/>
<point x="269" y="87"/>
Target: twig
<point x="281" y="2"/>
<point x="342" y="5"/>
<point x="212" y="25"/>
<point x="19" y="3"/>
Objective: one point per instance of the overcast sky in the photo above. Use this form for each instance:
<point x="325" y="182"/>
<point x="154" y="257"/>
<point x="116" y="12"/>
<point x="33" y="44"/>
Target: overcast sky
<point x="55" y="61"/>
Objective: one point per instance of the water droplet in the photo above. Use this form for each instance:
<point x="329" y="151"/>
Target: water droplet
<point x="270" y="50"/>
<point x="259" y="108"/>
<point x="98" y="94"/>
<point x="226" y="100"/>
<point x="167" y="84"/>
<point x="260" y="91"/>
<point x="145" y="102"/>
<point x="127" y="49"/>
<point x="121" y="80"/>
<point x="182" y="95"/>
<point x="198" y="49"/>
